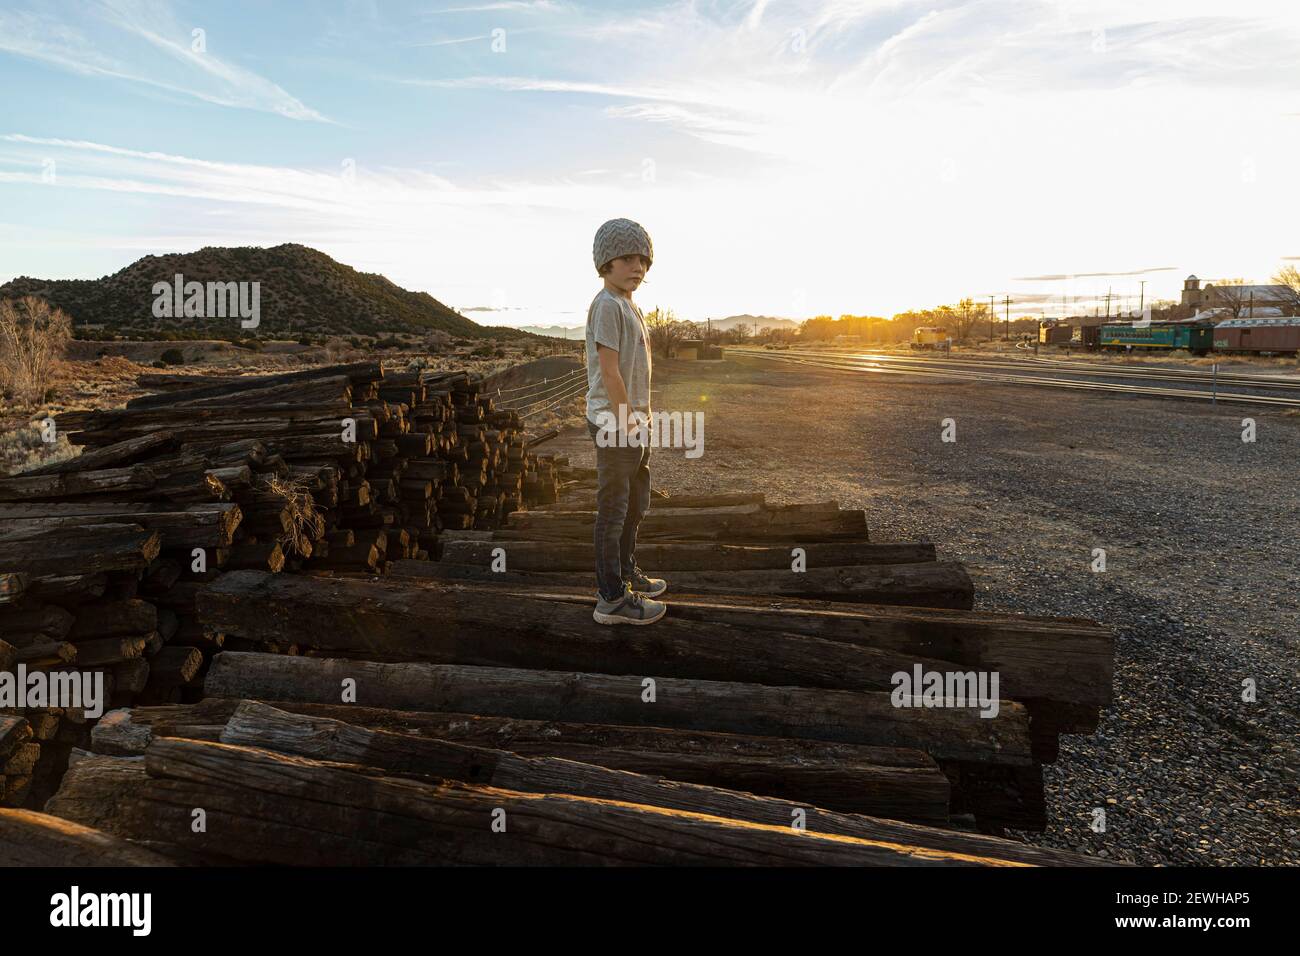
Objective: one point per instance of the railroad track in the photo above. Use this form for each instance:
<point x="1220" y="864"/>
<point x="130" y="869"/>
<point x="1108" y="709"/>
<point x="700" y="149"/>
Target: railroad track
<point x="1049" y="373"/>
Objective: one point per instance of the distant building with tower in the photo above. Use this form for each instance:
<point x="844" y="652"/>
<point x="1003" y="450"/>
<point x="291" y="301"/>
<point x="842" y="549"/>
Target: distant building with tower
<point x="1246" y="301"/>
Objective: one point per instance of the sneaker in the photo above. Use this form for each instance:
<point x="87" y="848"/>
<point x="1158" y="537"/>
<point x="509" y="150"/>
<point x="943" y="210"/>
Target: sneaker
<point x="650" y="587"/>
<point x="632" y="608"/>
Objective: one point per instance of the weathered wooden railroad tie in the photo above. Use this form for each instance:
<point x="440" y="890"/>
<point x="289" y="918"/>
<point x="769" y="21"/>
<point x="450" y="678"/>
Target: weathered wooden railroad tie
<point x="343" y="468"/>
<point x="429" y="662"/>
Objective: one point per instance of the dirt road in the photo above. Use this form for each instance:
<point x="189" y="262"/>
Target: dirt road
<point x="1199" y="530"/>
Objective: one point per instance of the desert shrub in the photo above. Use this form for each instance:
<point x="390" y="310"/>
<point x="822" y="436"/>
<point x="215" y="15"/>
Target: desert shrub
<point x="24" y="447"/>
<point x="173" y="357"/>
<point x="33" y="337"/>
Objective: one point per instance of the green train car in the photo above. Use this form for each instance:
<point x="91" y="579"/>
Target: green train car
<point x="1195" y="337"/>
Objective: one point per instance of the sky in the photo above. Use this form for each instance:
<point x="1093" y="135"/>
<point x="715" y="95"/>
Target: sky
<point x="787" y="158"/>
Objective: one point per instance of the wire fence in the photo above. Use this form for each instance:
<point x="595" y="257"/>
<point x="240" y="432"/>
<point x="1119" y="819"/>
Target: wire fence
<point x="574" y="392"/>
<point x="543" y="384"/>
<point x="551" y="390"/>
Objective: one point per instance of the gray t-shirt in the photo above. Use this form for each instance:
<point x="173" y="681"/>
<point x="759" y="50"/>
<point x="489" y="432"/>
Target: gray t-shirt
<point x="616" y="322"/>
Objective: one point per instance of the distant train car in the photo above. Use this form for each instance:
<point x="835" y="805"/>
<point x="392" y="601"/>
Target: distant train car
<point x="1090" y="336"/>
<point x="1197" y="338"/>
<point x="1258" y="335"/>
<point x="1055" y="334"/>
<point x="929" y="337"/>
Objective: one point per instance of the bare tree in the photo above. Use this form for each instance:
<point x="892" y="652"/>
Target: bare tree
<point x="1289" y="276"/>
<point x="1229" y="294"/>
<point x="33" y="337"/>
<point x="964" y="315"/>
<point x="666" y="330"/>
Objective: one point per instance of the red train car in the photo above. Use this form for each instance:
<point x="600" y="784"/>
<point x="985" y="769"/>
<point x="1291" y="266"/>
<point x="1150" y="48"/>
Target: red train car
<point x="1258" y="335"/>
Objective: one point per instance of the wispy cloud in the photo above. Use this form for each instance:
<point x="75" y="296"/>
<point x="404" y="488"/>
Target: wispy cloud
<point x="1093" y="275"/>
<point x="39" y="35"/>
<point x="527" y="6"/>
<point x="824" y="155"/>
<point x="539" y="84"/>
<point x="452" y="42"/>
<point x="394" y="220"/>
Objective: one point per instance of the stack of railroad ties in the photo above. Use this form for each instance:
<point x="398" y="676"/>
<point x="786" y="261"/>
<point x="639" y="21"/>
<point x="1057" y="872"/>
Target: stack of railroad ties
<point x="468" y="710"/>
<point x="340" y="468"/>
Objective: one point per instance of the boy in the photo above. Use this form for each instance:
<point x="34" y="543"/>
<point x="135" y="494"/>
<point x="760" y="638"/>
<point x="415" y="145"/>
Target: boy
<point x="618" y="407"/>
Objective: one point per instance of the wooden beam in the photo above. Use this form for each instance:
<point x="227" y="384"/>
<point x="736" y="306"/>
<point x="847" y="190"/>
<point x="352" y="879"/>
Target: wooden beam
<point x="272" y="808"/>
<point x="28" y="838"/>
<point x="553" y="556"/>
<point x="382" y="620"/>
<point x="114" y="455"/>
<point x="731" y="524"/>
<point x="112" y="547"/>
<point x="358" y="372"/>
<point x="890" y="782"/>
<point x="725" y="706"/>
<point x="103" y="481"/>
<point x="1065" y="660"/>
<point x="929" y="584"/>
<point x="257" y="725"/>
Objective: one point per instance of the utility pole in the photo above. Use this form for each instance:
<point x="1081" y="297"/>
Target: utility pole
<point x="1108" y="303"/>
<point x="991" y="319"/>
<point x="1007" y="330"/>
<point x="1142" y="301"/>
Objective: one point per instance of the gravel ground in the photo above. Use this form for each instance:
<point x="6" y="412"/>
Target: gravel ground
<point x="1199" y="529"/>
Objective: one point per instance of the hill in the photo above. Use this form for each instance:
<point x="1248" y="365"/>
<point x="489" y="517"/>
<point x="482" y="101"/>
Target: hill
<point x="556" y="331"/>
<point x="302" y="292"/>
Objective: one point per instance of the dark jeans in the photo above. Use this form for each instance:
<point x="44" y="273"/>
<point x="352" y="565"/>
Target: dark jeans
<point x="622" y="499"/>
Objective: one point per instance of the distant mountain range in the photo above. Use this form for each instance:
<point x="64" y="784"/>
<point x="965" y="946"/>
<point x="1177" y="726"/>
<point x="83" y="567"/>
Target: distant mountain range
<point x="761" y="321"/>
<point x="725" y="325"/>
<point x="555" y="331"/>
<point x="301" y="292"/>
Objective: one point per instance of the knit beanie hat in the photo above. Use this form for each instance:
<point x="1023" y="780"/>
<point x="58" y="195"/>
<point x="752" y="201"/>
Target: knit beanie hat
<point x="621" y="237"/>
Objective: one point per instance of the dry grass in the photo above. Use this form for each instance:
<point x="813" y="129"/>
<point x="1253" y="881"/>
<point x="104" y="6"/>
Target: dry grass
<point x="22" y="447"/>
<point x="306" y="521"/>
<point x="571" y="412"/>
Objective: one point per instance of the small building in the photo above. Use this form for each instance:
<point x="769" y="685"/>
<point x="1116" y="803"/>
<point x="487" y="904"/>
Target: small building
<point x="1246" y="301"/>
